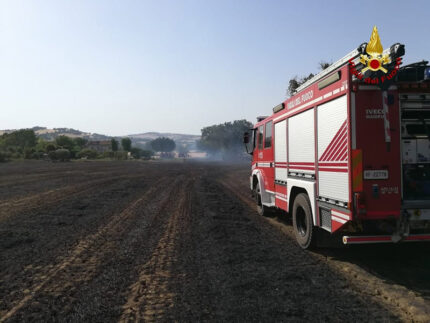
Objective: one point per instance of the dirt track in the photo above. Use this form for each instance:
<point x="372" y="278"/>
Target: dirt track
<point x="126" y="241"/>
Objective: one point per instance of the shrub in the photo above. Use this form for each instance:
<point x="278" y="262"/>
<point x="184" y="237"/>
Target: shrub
<point x="136" y="152"/>
<point x="60" y="155"/>
<point x="3" y="157"/>
<point x="147" y="154"/>
<point x="52" y="155"/>
<point x="108" y="154"/>
<point x="50" y="147"/>
<point x="28" y="153"/>
<point x="121" y="155"/>
<point x="87" y="153"/>
<point x="37" y="155"/>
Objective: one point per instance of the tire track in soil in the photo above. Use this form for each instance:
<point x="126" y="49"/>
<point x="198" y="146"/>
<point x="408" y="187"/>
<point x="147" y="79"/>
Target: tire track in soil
<point x="45" y="199"/>
<point x="14" y="189"/>
<point x="397" y="299"/>
<point x="82" y="263"/>
<point x="150" y="297"/>
<point x="262" y="276"/>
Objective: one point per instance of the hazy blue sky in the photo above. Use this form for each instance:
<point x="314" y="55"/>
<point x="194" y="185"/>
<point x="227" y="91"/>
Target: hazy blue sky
<point x="122" y="67"/>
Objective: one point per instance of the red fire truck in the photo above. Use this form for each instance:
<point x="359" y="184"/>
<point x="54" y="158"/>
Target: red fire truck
<point x="345" y="156"/>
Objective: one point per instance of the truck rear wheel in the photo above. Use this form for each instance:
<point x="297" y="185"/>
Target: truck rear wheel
<point x="302" y="221"/>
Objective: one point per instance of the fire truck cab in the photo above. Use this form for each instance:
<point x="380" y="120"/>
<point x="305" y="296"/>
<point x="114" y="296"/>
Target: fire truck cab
<point x="345" y="156"/>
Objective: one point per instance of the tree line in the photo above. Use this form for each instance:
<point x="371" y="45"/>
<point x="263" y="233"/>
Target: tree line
<point x="225" y="140"/>
<point x="24" y="144"/>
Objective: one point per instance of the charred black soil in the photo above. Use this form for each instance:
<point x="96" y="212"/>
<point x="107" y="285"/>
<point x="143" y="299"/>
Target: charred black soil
<point x="154" y="241"/>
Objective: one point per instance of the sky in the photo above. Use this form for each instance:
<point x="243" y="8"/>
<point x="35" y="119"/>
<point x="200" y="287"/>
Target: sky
<point x="126" y="67"/>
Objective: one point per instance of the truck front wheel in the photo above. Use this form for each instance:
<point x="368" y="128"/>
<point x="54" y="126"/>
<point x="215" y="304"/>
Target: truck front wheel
<point x="261" y="209"/>
<point x="302" y="221"/>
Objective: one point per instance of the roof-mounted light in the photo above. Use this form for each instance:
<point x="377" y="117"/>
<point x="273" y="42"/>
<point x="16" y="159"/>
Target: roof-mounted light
<point x="427" y="73"/>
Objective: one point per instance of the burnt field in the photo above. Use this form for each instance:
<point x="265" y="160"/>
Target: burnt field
<point x="154" y="241"/>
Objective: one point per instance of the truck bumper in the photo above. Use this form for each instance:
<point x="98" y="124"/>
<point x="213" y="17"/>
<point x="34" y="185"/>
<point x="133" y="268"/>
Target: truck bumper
<point x="384" y="239"/>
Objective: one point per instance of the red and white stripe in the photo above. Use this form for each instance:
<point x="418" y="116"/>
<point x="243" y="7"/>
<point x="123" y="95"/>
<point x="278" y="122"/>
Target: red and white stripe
<point x="339" y="216"/>
<point x="335" y="156"/>
<point x="302" y="166"/>
<point x="337" y="149"/>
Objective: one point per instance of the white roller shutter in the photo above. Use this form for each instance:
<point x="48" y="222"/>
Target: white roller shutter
<point x="281" y="151"/>
<point x="301" y="141"/>
<point x="333" y="149"/>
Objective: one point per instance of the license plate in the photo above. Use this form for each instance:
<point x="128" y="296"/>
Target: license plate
<point x="376" y="174"/>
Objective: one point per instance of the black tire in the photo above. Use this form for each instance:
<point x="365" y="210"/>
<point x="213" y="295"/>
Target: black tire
<point x="261" y="209"/>
<point x="302" y="221"/>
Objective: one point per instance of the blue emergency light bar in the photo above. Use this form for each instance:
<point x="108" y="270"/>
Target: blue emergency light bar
<point x="427" y="73"/>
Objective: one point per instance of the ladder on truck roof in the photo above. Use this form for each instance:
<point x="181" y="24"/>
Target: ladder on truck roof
<point x="344" y="60"/>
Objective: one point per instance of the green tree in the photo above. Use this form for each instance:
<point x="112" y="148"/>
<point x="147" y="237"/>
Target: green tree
<point x="295" y="82"/>
<point x="65" y="142"/>
<point x="323" y="65"/>
<point x="50" y="147"/>
<point x="80" y="142"/>
<point x="225" y="139"/>
<point x="20" y="139"/>
<point x="41" y="145"/>
<point x="126" y="144"/>
<point x="163" y="144"/>
<point x="114" y="144"/>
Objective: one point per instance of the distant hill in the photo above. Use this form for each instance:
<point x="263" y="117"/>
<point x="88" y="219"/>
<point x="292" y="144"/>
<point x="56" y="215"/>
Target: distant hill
<point x="51" y="134"/>
<point x="139" y="140"/>
<point x="142" y="139"/>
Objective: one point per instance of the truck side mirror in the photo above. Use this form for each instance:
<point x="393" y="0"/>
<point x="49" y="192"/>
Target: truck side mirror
<point x="246" y="138"/>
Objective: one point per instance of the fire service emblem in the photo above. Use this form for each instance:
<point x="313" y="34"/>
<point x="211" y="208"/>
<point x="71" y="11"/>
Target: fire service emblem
<point x="374" y="65"/>
<point x="374" y="60"/>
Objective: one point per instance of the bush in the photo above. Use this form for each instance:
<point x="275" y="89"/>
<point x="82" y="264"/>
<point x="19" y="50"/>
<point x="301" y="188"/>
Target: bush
<point x="3" y="157"/>
<point x="60" y="155"/>
<point x="108" y="154"/>
<point x="121" y="155"/>
<point x="50" y="147"/>
<point x="147" y="154"/>
<point x="37" y="155"/>
<point x="87" y="153"/>
<point x="28" y="153"/>
<point x="52" y="155"/>
<point x="136" y="152"/>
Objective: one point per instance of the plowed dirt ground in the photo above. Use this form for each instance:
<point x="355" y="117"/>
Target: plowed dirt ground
<point x="181" y="241"/>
